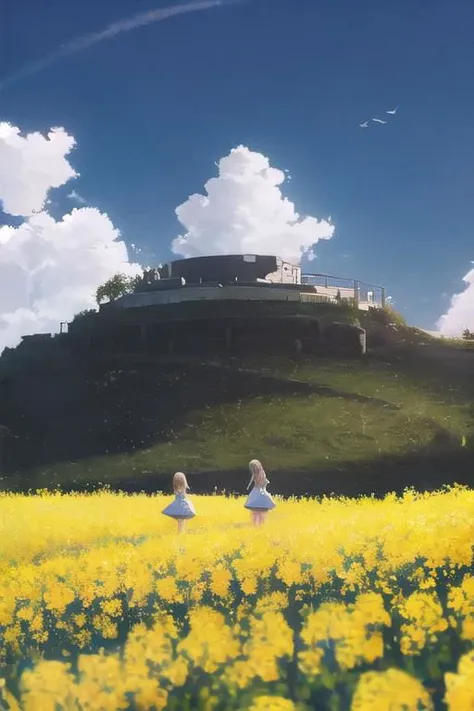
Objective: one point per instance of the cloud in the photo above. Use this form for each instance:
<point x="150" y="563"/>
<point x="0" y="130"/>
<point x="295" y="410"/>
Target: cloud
<point x="78" y="198"/>
<point x="244" y="211"/>
<point x="460" y="314"/>
<point x="112" y="30"/>
<point x="49" y="270"/>
<point x="30" y="166"/>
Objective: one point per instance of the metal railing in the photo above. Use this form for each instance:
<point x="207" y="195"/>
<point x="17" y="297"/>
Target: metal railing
<point x="361" y="293"/>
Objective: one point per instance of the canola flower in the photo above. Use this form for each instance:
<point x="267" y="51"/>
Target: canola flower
<point x="391" y="690"/>
<point x="460" y="686"/>
<point x="334" y="604"/>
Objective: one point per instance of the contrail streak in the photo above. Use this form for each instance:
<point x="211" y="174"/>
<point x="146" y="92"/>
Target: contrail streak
<point x="116" y="28"/>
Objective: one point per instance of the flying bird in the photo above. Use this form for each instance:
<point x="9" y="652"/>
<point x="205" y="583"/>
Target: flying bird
<point x="376" y="120"/>
<point x="364" y="125"/>
<point x="393" y="112"/>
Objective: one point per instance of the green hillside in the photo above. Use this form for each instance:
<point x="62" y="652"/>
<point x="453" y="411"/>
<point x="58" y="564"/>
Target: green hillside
<point x="314" y="423"/>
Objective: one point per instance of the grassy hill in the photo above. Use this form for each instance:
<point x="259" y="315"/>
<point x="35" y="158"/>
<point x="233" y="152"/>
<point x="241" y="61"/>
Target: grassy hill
<point x="401" y="416"/>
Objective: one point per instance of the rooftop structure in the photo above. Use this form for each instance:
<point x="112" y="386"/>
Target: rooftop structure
<point x="231" y="304"/>
<point x="244" y="278"/>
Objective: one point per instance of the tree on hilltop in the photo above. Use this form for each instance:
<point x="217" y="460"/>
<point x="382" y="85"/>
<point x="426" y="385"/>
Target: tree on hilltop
<point x="116" y="286"/>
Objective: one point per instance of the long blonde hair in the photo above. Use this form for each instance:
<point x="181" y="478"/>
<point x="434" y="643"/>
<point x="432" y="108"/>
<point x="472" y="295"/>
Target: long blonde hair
<point x="180" y="483"/>
<point x="257" y="474"/>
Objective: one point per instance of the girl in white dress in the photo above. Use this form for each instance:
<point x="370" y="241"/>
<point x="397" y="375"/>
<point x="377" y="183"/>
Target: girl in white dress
<point x="181" y="509"/>
<point x="259" y="500"/>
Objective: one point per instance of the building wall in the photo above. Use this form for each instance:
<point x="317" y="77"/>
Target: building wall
<point x="224" y="268"/>
<point x="235" y="293"/>
<point x="205" y="293"/>
<point x="364" y="300"/>
<point x="331" y="291"/>
<point x="286" y="273"/>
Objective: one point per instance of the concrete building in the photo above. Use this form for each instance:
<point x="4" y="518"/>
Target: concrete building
<point x="227" y="303"/>
<point x="244" y="278"/>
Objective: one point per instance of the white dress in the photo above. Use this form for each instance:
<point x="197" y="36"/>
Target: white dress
<point x="181" y="507"/>
<point x="259" y="499"/>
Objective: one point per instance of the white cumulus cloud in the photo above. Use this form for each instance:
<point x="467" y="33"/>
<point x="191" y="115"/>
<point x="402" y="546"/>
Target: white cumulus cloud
<point x="49" y="270"/>
<point x="460" y="314"/>
<point x="30" y="166"/>
<point x="73" y="195"/>
<point x="245" y="212"/>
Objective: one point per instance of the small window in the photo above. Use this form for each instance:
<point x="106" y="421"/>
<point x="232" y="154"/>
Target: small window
<point x="250" y="258"/>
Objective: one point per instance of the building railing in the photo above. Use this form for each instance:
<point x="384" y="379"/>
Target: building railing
<point x="363" y="294"/>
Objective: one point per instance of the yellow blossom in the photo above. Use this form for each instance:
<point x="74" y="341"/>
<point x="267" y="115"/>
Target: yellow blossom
<point x="391" y="690"/>
<point x="272" y="703"/>
<point x="460" y="686"/>
<point x="321" y="578"/>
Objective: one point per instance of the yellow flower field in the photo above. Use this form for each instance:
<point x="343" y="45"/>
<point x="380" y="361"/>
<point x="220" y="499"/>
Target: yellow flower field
<point x="335" y="604"/>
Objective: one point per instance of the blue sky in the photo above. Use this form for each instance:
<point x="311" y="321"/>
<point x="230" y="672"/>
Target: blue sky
<point x="153" y="109"/>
